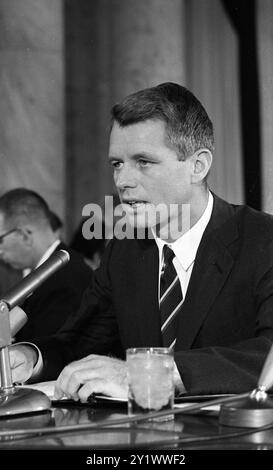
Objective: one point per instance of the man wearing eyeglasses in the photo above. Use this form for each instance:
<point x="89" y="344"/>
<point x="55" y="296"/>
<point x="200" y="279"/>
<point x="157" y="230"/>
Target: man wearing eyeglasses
<point x="27" y="239"/>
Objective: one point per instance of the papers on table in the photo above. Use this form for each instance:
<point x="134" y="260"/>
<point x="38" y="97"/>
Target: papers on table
<point x="46" y="387"/>
<point x="180" y="402"/>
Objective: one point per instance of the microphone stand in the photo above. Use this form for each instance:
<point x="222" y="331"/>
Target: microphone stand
<point x="18" y="400"/>
<point x="15" y="400"/>
<point x="256" y="409"/>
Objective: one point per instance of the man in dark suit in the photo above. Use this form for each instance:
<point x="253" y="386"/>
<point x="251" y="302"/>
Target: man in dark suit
<point x="161" y="148"/>
<point x="27" y="240"/>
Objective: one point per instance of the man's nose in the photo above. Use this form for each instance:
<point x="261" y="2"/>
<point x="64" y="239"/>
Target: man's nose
<point x="125" y="178"/>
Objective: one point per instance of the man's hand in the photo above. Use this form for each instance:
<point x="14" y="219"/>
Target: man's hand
<point x="93" y="374"/>
<point x="22" y="361"/>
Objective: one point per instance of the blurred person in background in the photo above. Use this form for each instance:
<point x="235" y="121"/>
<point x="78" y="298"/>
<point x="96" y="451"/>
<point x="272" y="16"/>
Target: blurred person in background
<point x="29" y="235"/>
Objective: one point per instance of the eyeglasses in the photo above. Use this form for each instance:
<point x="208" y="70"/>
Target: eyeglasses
<point x="7" y="233"/>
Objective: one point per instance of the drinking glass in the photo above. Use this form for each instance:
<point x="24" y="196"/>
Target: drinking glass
<point x="151" y="380"/>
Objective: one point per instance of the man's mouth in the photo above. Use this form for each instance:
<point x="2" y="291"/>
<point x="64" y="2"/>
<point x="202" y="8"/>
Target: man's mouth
<point x="135" y="204"/>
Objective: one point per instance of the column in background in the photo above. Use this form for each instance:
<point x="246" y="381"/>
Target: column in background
<point x="265" y="55"/>
<point x="31" y="98"/>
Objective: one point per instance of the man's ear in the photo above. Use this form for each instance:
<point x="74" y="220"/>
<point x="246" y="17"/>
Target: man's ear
<point x="201" y="161"/>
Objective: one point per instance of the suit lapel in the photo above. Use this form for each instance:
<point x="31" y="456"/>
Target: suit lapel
<point x="212" y="266"/>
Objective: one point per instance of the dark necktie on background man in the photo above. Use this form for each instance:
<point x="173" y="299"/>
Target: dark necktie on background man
<point x="171" y="298"/>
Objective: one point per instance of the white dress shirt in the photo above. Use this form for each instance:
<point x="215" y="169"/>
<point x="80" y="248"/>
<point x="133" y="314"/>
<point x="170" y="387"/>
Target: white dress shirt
<point x="185" y="248"/>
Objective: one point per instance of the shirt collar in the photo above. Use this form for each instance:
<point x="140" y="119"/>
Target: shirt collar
<point x="185" y="247"/>
<point x="45" y="256"/>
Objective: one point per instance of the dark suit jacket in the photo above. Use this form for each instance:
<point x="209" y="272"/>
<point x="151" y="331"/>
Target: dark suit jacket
<point x="9" y="277"/>
<point x="226" y="324"/>
<point x="56" y="299"/>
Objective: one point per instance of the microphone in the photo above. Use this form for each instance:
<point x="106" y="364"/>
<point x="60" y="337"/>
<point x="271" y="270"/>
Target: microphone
<point x="31" y="282"/>
<point x="16" y="400"/>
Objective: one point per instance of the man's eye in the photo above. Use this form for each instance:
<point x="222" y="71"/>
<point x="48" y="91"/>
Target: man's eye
<point x="144" y="163"/>
<point x="116" y="165"/>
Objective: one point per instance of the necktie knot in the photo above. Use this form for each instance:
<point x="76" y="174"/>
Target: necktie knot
<point x="168" y="255"/>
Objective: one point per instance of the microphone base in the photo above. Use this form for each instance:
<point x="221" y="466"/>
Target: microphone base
<point x="252" y="412"/>
<point x="20" y="400"/>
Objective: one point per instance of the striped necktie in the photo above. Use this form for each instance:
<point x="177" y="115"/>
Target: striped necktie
<point x="171" y="298"/>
